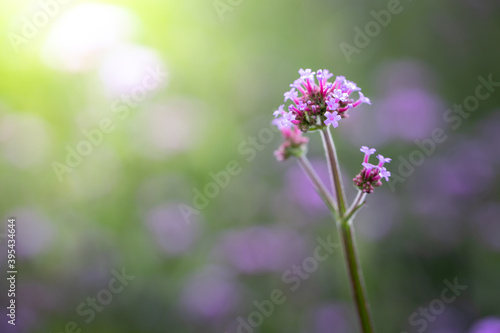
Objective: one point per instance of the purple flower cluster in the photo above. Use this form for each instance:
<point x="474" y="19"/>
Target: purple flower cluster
<point x="320" y="103"/>
<point x="371" y="175"/>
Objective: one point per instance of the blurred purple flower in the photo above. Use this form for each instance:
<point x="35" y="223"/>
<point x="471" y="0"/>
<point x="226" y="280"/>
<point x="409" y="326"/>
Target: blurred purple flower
<point x="487" y="325"/>
<point x="444" y="189"/>
<point x="426" y="180"/>
<point x="329" y="316"/>
<point x="34" y="233"/>
<point x="408" y="114"/>
<point x="470" y="169"/>
<point x="171" y="231"/>
<point x="406" y="109"/>
<point x="458" y="177"/>
<point x="437" y="210"/>
<point x="8" y="328"/>
<point x="33" y="301"/>
<point x="210" y="294"/>
<point x="26" y="321"/>
<point x="404" y="74"/>
<point x="261" y="249"/>
<point x="301" y="192"/>
<point x="467" y="170"/>
<point x="403" y="114"/>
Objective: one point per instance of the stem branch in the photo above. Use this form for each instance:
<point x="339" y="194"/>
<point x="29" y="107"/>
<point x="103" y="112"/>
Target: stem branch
<point x="357" y="203"/>
<point x="318" y="185"/>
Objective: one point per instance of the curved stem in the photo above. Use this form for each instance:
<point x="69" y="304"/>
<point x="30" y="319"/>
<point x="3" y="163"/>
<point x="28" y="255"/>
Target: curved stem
<point x="333" y="165"/>
<point x="318" y="185"/>
<point x="356" y="204"/>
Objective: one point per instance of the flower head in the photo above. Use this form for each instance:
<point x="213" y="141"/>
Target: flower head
<point x="369" y="177"/>
<point x="486" y="325"/>
<point x="314" y="100"/>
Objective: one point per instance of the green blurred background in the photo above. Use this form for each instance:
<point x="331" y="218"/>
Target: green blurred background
<point x="206" y="76"/>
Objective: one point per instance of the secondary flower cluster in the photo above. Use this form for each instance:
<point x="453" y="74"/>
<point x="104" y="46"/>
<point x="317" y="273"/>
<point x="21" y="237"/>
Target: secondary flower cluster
<point x="320" y="103"/>
<point x="371" y="174"/>
<point x="294" y="144"/>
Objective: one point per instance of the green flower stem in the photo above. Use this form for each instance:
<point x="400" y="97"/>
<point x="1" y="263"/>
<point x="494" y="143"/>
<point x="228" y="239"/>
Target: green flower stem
<point x="333" y="165"/>
<point x="356" y="276"/>
<point x="347" y="235"/>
